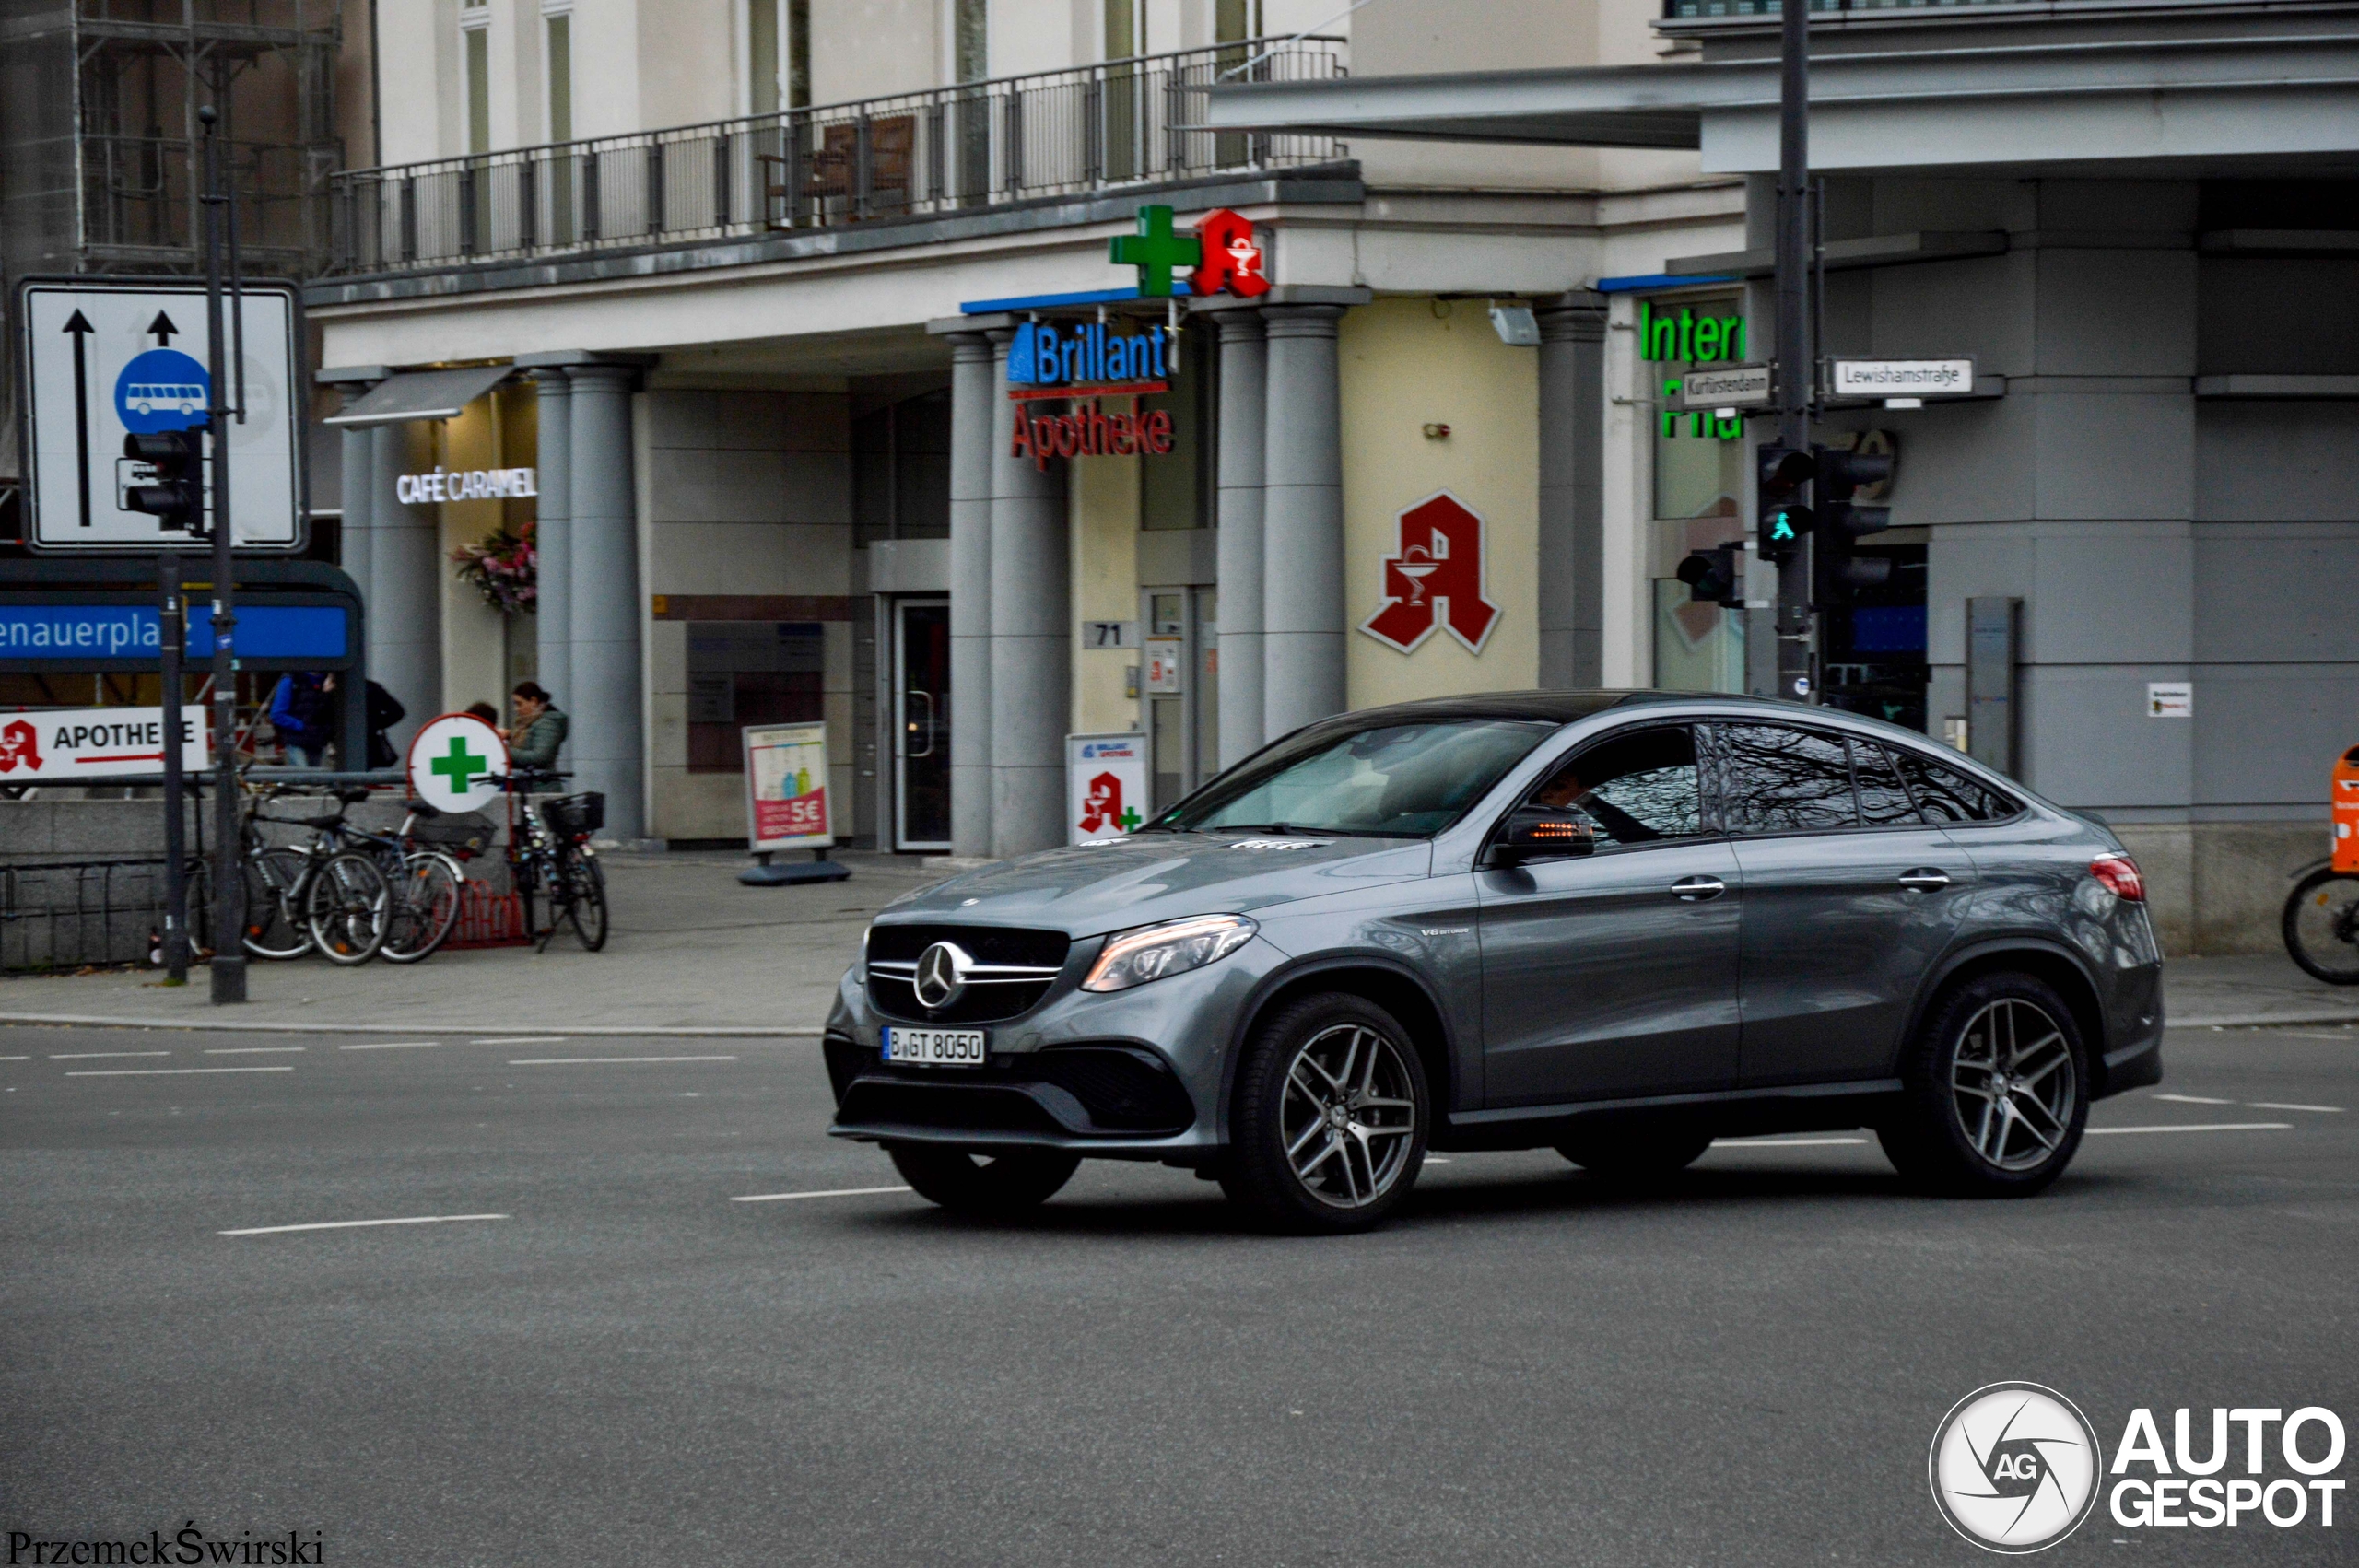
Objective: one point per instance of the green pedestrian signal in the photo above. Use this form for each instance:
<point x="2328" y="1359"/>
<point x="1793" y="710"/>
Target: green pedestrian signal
<point x="1784" y="519"/>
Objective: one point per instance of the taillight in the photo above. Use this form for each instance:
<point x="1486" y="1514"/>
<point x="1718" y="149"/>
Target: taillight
<point x="2119" y="875"/>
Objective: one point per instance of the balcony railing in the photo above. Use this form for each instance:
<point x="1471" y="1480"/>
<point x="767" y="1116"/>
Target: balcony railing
<point x="1711" y="10"/>
<point x="980" y="144"/>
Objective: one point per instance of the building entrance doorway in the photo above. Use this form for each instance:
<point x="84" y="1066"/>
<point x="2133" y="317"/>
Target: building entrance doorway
<point x="920" y="709"/>
<point x="1181" y="687"/>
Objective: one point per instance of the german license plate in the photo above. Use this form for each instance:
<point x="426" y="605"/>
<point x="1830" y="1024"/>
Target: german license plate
<point x="934" y="1047"/>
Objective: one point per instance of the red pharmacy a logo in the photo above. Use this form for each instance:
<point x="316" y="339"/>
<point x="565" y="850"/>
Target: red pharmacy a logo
<point x="19" y="743"/>
<point x="1435" y="577"/>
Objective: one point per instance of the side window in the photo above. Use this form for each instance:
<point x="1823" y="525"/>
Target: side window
<point x="1780" y="780"/>
<point x="1634" y="789"/>
<point x="1883" y="799"/>
<point x="1946" y="794"/>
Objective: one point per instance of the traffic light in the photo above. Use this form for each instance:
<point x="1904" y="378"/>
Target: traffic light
<point x="1784" y="519"/>
<point x="1843" y="522"/>
<point x="1711" y="576"/>
<point x="177" y="498"/>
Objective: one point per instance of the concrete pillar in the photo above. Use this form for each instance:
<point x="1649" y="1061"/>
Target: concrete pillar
<point x="605" y="747"/>
<point x="553" y="537"/>
<point x="1031" y="639"/>
<point x="359" y="493"/>
<point x="1302" y="557"/>
<point x="976" y="397"/>
<point x="1244" y="365"/>
<point x="405" y="584"/>
<point x="1572" y="496"/>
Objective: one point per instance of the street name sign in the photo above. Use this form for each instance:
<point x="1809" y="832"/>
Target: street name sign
<point x="1727" y="386"/>
<point x="100" y="358"/>
<point x="452" y="761"/>
<point x="95" y="743"/>
<point x="1900" y="378"/>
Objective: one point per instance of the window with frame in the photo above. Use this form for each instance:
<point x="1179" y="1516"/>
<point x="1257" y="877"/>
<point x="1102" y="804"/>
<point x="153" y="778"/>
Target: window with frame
<point x="1946" y="794"/>
<point x="1635" y="788"/>
<point x="1776" y="778"/>
<point x="1885" y="799"/>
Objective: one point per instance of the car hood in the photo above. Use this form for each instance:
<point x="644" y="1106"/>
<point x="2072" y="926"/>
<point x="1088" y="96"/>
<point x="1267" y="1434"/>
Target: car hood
<point x="1089" y="890"/>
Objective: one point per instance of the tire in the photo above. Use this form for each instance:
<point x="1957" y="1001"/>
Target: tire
<point x="588" y="914"/>
<point x="196" y="909"/>
<point x="1341" y="1065"/>
<point x="2321" y="925"/>
<point x="274" y="928"/>
<point x="1952" y="1132"/>
<point x="526" y="881"/>
<point x="426" y="908"/>
<point x="1636" y="1152"/>
<point x="349" y="908"/>
<point x="983" y="1186"/>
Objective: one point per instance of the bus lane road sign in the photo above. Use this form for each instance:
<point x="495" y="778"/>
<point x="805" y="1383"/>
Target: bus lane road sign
<point x="100" y="358"/>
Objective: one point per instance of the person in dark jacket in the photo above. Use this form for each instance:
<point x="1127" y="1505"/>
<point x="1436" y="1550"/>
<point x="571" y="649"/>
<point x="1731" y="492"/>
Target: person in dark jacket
<point x="384" y="711"/>
<point x="539" y="730"/>
<point x="300" y="710"/>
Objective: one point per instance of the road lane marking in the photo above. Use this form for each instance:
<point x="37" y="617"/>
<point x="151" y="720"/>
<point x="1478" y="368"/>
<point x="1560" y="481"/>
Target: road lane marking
<point x="579" y="1061"/>
<point x="523" y="1040"/>
<point x="838" y="1192"/>
<point x="1781" y="1142"/>
<point x="2281" y="1106"/>
<point x="15" y="1058"/>
<point x="2202" y="1127"/>
<point x="2191" y="1099"/>
<point x="93" y="1056"/>
<point x="359" y="1224"/>
<point x="394" y="1046"/>
<point x="155" y="1072"/>
<point x="252" y="1051"/>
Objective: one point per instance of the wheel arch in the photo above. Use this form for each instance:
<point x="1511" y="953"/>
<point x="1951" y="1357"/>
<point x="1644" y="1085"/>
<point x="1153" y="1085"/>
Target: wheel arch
<point x="1391" y="985"/>
<point x="2051" y="962"/>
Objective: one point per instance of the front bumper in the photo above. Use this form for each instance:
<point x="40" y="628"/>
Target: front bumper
<point x="1134" y="1074"/>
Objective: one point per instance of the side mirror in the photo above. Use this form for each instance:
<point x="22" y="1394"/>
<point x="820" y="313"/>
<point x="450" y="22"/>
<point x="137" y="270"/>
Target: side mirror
<point x="1544" y="832"/>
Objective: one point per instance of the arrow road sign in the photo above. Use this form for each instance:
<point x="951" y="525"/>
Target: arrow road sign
<point x="96" y="361"/>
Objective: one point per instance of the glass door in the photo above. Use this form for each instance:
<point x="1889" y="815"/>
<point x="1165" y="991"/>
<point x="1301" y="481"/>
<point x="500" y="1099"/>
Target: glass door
<point x="921" y="706"/>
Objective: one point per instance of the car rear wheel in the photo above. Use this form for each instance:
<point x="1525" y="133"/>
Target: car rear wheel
<point x="1332" y="1117"/>
<point x="1997" y="1093"/>
<point x="1635" y="1153"/>
<point x="968" y="1182"/>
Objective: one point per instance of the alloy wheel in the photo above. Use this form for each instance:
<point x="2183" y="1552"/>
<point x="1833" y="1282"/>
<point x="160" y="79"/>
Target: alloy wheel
<point x="1348" y="1114"/>
<point x="2013" y="1085"/>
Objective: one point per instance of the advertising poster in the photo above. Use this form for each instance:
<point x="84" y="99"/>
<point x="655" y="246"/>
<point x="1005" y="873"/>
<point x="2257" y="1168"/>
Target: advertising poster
<point x="1106" y="788"/>
<point x="786" y="786"/>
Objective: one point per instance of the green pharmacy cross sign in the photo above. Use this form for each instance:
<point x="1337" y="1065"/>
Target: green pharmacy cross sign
<point x="460" y="765"/>
<point x="1155" y="251"/>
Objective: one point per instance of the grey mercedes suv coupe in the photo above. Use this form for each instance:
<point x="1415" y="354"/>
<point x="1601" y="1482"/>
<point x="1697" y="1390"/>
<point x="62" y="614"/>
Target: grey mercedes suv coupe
<point x="1616" y="924"/>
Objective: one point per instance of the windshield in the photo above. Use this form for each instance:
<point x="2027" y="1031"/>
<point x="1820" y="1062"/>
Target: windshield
<point x="1399" y="782"/>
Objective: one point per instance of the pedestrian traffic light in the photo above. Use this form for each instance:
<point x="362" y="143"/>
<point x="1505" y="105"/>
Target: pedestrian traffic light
<point x="1784" y="519"/>
<point x="1843" y="522"/>
<point x="1711" y="576"/>
<point x="176" y="499"/>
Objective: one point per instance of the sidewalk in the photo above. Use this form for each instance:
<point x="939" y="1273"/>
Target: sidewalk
<point x="693" y="951"/>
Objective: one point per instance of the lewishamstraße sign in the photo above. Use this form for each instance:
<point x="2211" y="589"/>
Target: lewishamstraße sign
<point x="95" y="743"/>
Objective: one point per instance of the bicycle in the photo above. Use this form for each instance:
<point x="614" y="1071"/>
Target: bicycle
<point x="549" y="856"/>
<point x="2321" y="923"/>
<point x="425" y="884"/>
<point x="327" y="896"/>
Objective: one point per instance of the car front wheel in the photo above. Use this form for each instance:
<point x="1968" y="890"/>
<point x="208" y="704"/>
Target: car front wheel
<point x="1332" y="1117"/>
<point x="985" y="1185"/>
<point x="1996" y="1090"/>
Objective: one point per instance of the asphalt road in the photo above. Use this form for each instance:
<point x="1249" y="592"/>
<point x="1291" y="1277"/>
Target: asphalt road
<point x="618" y="1363"/>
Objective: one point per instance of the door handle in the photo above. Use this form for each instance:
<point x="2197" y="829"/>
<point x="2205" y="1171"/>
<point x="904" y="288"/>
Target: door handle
<point x="1696" y="889"/>
<point x="1924" y="879"/>
<point x="926" y="725"/>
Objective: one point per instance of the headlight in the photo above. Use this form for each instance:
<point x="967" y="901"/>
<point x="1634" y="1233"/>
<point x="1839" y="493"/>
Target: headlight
<point x="1149" y="952"/>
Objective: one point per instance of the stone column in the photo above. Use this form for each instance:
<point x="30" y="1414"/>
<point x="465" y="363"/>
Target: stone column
<point x="1244" y="363"/>
<point x="359" y="496"/>
<point x="1302" y="594"/>
<point x="605" y="747"/>
<point x="977" y="396"/>
<point x="1572" y="496"/>
<point x="1031" y="636"/>
<point x="552" y="533"/>
<point x="406" y="585"/>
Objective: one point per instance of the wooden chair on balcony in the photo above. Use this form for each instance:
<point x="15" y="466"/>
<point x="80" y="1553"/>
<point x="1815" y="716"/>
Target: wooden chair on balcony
<point x="830" y="185"/>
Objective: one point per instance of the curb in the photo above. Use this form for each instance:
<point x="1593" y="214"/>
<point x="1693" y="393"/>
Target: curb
<point x="2263" y="1020"/>
<point x="224" y="1025"/>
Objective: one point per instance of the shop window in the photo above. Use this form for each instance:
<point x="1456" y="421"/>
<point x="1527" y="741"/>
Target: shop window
<point x="1179" y="488"/>
<point x="1698" y="459"/>
<point x="1872" y="652"/>
<point x="900" y="470"/>
<point x="744" y="672"/>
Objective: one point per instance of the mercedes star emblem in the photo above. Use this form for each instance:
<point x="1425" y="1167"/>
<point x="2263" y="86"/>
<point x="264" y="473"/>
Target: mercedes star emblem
<point x="941" y="976"/>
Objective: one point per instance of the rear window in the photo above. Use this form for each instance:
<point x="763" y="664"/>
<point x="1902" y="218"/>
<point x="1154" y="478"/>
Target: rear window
<point x="1946" y="794"/>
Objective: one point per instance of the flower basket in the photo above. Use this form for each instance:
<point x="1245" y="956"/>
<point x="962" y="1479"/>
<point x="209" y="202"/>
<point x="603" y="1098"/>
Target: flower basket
<point x="505" y="568"/>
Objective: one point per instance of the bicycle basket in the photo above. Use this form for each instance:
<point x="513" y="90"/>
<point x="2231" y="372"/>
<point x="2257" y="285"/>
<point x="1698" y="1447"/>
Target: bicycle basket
<point x="469" y="832"/>
<point x="573" y="816"/>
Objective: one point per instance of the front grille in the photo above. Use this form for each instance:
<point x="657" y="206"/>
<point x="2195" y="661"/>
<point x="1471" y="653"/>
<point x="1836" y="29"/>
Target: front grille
<point x="1031" y="959"/>
<point x="1074" y="1089"/>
